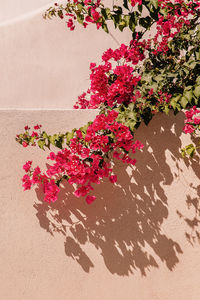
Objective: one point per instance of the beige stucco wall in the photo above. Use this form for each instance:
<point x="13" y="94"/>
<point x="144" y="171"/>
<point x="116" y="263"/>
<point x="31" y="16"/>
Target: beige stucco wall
<point x="140" y="239"/>
<point x="44" y="65"/>
<point x="18" y="9"/>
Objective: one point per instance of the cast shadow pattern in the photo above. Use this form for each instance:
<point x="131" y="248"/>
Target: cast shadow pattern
<point x="192" y="217"/>
<point x="124" y="223"/>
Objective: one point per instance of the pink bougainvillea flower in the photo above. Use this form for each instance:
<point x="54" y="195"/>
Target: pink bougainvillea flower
<point x="36" y="127"/>
<point x="188" y="128"/>
<point x="24" y="144"/>
<point x="27" y="183"/>
<point x="34" y="134"/>
<point x="89" y="199"/>
<point x="197" y="120"/>
<point x="113" y="178"/>
<point x="27" y="166"/>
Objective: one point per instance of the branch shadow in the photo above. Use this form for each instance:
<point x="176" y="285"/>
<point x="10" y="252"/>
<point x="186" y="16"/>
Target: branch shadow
<point x="124" y="224"/>
<point x="192" y="216"/>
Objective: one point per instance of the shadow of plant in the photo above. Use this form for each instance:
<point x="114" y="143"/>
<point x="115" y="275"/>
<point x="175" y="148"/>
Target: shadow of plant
<point x="192" y="216"/>
<point x="124" y="223"/>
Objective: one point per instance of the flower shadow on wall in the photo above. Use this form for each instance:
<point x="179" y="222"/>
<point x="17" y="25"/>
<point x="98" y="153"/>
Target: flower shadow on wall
<point x="124" y="223"/>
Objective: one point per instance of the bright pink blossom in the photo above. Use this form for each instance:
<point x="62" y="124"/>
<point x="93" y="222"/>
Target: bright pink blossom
<point x="113" y="178"/>
<point x="24" y="144"/>
<point x="90" y="199"/>
<point x="188" y="128"/>
<point x="27" y="166"/>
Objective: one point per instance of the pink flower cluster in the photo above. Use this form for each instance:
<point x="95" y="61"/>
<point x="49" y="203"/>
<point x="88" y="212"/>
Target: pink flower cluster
<point x="92" y="16"/>
<point x="178" y="14"/>
<point x="85" y="161"/>
<point x="192" y="123"/>
<point x="28" y="138"/>
<point x="86" y="158"/>
<point x="113" y="85"/>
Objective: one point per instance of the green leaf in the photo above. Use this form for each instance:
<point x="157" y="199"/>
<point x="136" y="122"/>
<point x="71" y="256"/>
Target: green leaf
<point x="69" y="136"/>
<point x="106" y="13"/>
<point x="131" y="124"/>
<point x="80" y="18"/>
<point x="174" y="101"/>
<point x="131" y="25"/>
<point x="145" y="22"/>
<point x="116" y="19"/>
<point x="154" y="3"/>
<point x="59" y="142"/>
<point x="122" y="25"/>
<point x="184" y="102"/>
<point x="140" y="8"/>
<point x="133" y="20"/>
<point x="188" y="94"/>
<point x="32" y="140"/>
<point x="41" y="144"/>
<point x="132" y="115"/>
<point x="44" y="135"/>
<point x="105" y="27"/>
<point x="52" y="139"/>
<point x="84" y="128"/>
<point x="117" y="10"/>
<point x="183" y="152"/>
<point x="127" y="20"/>
<point x="79" y="6"/>
<point x="197" y="91"/>
<point x="125" y="4"/>
<point x="166" y="109"/>
<point x="198" y="80"/>
<point x="190" y="150"/>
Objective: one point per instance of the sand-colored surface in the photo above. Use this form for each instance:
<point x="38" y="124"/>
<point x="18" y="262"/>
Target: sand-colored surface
<point x="44" y="65"/>
<point x="139" y="240"/>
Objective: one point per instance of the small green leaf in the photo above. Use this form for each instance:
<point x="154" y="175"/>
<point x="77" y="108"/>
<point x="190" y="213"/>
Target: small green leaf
<point x="188" y="94"/>
<point x="106" y="13"/>
<point x="184" y="102"/>
<point x="166" y="109"/>
<point x="174" y="101"/>
<point x="79" y="6"/>
<point x="197" y="91"/>
<point x="140" y="8"/>
<point x="116" y="19"/>
<point x="52" y="139"/>
<point x="105" y="27"/>
<point x="190" y="150"/>
<point x="41" y="144"/>
<point x="69" y="136"/>
<point x="59" y="142"/>
<point x="117" y="10"/>
<point x="145" y="22"/>
<point x="125" y="4"/>
<point x="122" y="25"/>
<point x="127" y="20"/>
<point x="80" y="18"/>
<point x="44" y="135"/>
<point x="154" y="3"/>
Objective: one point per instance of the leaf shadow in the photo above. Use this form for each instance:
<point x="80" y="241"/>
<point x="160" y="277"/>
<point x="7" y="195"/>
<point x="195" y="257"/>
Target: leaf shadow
<point x="191" y="216"/>
<point x="124" y="224"/>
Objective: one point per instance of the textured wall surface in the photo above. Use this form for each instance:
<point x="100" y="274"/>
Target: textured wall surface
<point x="44" y="65"/>
<point x="13" y="10"/>
<point x="140" y="240"/>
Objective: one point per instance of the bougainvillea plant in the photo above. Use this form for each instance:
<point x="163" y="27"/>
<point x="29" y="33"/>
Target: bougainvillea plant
<point x="130" y="86"/>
